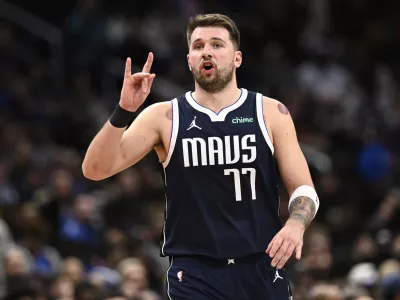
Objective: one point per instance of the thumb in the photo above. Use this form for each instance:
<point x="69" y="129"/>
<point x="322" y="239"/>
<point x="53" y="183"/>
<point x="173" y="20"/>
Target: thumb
<point x="151" y="80"/>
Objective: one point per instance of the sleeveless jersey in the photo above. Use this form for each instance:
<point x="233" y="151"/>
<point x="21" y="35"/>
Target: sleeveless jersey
<point x="220" y="180"/>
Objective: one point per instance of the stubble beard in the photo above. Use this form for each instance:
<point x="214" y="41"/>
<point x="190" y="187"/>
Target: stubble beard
<point x="219" y="81"/>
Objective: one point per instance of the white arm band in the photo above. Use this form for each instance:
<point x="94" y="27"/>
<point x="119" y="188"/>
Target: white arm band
<point x="306" y="191"/>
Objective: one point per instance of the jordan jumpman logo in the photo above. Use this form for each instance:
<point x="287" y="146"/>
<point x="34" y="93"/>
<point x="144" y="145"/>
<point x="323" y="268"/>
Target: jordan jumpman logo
<point x="277" y="276"/>
<point x="193" y="124"/>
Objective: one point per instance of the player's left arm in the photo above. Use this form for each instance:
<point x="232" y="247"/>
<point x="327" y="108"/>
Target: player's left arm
<point x="296" y="176"/>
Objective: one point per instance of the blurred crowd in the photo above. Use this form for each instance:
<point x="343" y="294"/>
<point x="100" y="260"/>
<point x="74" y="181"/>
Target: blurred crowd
<point x="335" y="64"/>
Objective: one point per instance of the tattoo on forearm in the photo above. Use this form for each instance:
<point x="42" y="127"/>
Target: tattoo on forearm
<point x="302" y="209"/>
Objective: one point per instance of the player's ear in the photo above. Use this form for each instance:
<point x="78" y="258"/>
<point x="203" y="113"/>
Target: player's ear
<point x="238" y="59"/>
<point x="190" y="67"/>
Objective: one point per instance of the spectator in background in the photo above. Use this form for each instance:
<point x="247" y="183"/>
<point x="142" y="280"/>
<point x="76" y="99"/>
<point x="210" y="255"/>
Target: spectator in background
<point x="73" y="269"/>
<point x="17" y="265"/>
<point x="62" y="288"/>
<point x="8" y="194"/>
<point x="78" y="234"/>
<point x="325" y="292"/>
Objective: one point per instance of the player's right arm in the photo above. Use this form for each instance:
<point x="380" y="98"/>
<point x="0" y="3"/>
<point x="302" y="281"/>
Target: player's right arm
<point x="114" y="149"/>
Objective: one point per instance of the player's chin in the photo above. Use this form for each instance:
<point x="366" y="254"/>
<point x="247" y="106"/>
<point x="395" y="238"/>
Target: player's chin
<point x="209" y="77"/>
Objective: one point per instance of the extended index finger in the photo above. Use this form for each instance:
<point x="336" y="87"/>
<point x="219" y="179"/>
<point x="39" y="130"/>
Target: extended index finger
<point x="149" y="62"/>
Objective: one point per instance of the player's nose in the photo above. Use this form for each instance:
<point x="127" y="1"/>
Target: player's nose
<point x="207" y="56"/>
<point x="207" y="53"/>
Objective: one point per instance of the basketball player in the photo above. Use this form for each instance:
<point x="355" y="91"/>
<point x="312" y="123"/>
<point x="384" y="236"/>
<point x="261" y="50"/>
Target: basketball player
<point x="219" y="147"/>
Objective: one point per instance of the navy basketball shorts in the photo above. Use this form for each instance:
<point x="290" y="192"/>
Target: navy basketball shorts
<point x="251" y="278"/>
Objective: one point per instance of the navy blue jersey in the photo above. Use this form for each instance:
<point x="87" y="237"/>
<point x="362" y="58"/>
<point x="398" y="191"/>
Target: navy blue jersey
<point x="221" y="183"/>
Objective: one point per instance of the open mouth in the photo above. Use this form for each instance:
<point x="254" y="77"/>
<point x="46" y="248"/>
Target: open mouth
<point x="207" y="66"/>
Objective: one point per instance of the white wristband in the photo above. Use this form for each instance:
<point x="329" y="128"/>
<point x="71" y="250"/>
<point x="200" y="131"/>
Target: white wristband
<point x="306" y="191"/>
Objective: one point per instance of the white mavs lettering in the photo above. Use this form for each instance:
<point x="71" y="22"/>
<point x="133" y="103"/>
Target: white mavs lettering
<point x="218" y="151"/>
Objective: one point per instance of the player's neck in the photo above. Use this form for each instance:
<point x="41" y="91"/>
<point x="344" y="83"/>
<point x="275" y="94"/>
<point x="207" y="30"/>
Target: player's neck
<point x="217" y="101"/>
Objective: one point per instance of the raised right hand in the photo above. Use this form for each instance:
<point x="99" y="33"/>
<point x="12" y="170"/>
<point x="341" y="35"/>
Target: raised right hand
<point x="136" y="87"/>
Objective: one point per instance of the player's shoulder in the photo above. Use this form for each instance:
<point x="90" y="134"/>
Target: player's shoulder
<point x="157" y="114"/>
<point x="269" y="102"/>
<point x="159" y="107"/>
<point x="275" y="113"/>
<point x="273" y="107"/>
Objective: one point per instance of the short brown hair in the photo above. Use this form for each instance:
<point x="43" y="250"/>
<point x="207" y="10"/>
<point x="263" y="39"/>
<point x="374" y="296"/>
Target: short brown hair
<point x="214" y="20"/>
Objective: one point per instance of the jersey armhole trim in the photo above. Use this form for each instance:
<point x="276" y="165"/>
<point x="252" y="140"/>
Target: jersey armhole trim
<point x="174" y="131"/>
<point x="261" y="121"/>
<point x="169" y="268"/>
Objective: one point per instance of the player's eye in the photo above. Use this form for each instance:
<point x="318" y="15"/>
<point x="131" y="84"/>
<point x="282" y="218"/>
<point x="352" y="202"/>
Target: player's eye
<point x="217" y="45"/>
<point x="197" y="47"/>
